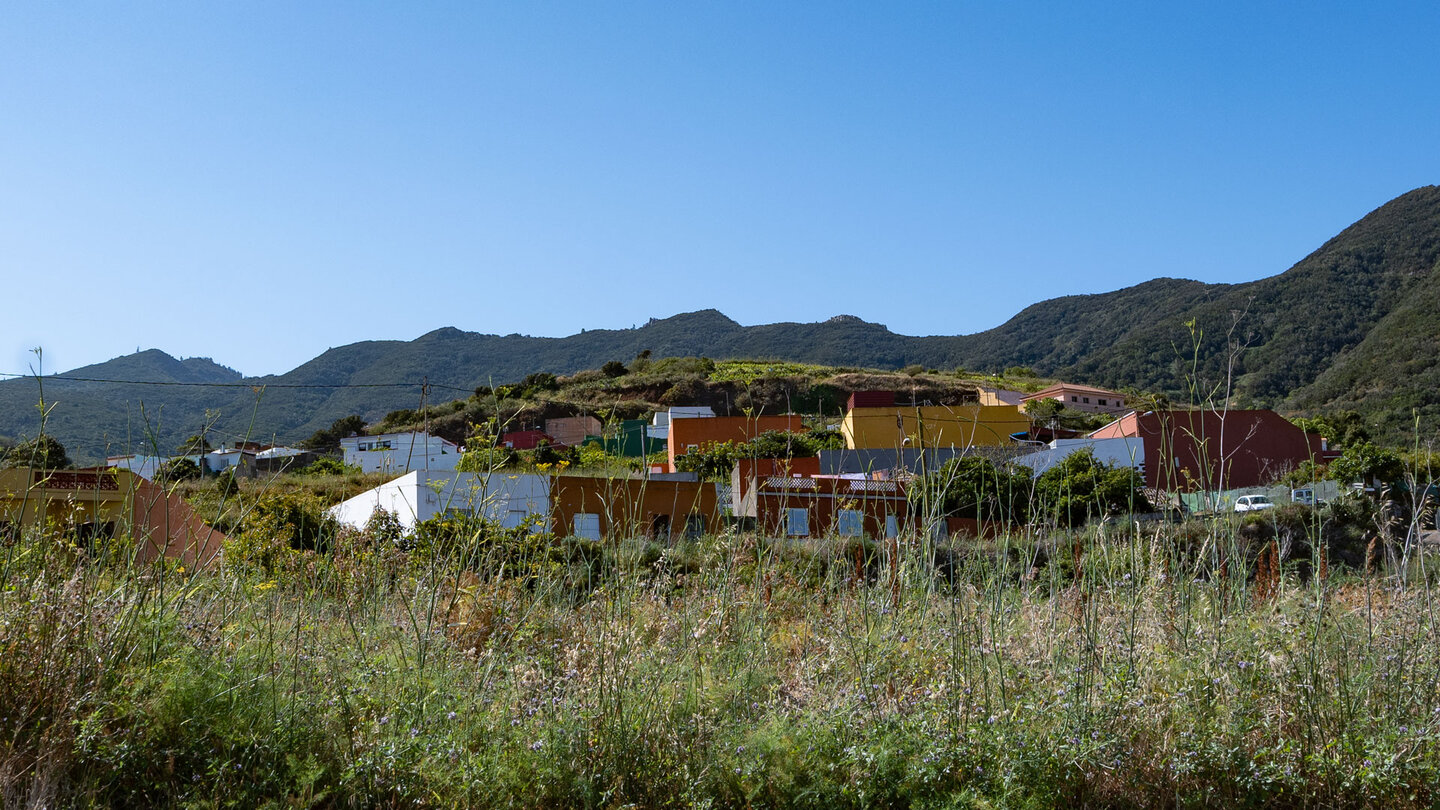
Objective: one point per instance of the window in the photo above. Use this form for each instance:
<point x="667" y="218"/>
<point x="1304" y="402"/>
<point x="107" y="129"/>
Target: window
<point x="1103" y="402"/>
<point x="1074" y="399"/>
<point x="850" y="523"/>
<point x="797" y="522"/>
<point x="1087" y="400"/>
<point x="587" y="525"/>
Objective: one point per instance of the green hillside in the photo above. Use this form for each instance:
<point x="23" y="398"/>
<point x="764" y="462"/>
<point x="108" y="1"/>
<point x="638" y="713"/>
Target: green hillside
<point x="1351" y="326"/>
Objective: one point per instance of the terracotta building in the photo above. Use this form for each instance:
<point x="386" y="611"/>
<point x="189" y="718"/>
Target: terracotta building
<point x="597" y="508"/>
<point x="1216" y="450"/>
<point x="785" y="502"/>
<point x="687" y="435"/>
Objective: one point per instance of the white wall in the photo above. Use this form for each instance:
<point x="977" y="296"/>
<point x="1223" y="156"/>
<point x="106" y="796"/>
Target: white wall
<point x="218" y="460"/>
<point x="416" y="497"/>
<point x="406" y="451"/>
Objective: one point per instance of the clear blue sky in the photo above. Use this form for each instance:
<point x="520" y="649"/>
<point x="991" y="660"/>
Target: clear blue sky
<point x="257" y="182"/>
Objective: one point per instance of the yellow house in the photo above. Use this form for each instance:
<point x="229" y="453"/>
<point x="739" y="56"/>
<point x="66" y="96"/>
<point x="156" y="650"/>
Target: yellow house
<point x="941" y="426"/>
<point x="96" y="503"/>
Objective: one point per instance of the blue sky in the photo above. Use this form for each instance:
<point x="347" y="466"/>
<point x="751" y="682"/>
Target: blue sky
<point x="257" y="182"/>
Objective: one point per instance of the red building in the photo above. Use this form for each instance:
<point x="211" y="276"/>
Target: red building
<point x="524" y="439"/>
<point x="1216" y="450"/>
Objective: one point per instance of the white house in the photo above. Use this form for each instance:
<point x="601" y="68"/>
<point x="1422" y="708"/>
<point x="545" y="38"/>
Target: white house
<point x="399" y="452"/>
<point x="418" y="496"/>
<point x="278" y="452"/>
<point x="226" y="458"/>
<point x="1122" y="452"/>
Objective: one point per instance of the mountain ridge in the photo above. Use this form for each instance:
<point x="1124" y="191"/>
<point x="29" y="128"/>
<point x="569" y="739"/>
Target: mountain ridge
<point x="1320" y="335"/>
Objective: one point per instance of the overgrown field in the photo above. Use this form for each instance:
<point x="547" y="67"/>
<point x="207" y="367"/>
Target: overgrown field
<point x="1111" y="666"/>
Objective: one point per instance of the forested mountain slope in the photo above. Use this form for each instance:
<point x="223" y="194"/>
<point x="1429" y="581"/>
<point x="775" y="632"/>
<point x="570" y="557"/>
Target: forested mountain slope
<point x="1352" y="325"/>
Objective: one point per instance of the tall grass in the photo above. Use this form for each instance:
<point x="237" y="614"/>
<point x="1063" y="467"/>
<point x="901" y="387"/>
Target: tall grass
<point x="1103" y="666"/>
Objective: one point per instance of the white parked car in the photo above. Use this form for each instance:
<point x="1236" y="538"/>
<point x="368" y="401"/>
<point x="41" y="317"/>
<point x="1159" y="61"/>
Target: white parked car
<point x="1253" y="503"/>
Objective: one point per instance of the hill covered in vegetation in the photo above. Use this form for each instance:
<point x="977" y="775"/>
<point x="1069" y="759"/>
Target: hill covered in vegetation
<point x="1349" y="327"/>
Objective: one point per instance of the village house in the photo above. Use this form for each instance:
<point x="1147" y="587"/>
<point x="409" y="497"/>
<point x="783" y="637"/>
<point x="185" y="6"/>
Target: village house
<point x="96" y="504"/>
<point x="582" y="506"/>
<point x="784" y="502"/>
<point x="509" y="499"/>
<point x="144" y="466"/>
<point x="240" y="460"/>
<point x="525" y="439"/>
<point x="698" y="434"/>
<point x="891" y="426"/>
<point x="660" y="422"/>
<point x="571" y="431"/>
<point x="1216" y="450"/>
<point x="400" y="452"/>
<point x="1082" y="398"/>
<point x="659" y="508"/>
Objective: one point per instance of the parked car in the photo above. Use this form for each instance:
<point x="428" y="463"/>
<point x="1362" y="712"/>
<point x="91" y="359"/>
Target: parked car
<point x="1306" y="495"/>
<point x="1253" y="503"/>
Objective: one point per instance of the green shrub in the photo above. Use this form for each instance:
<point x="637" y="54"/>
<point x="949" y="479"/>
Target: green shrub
<point x="177" y="469"/>
<point x="328" y="466"/>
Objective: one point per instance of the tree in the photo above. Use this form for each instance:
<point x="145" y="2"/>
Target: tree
<point x="614" y="369"/>
<point x="1343" y="429"/>
<point x="1052" y="412"/>
<point x="973" y="487"/>
<point x="44" y="453"/>
<point x="1367" y="463"/>
<point x="196" y="445"/>
<point x="328" y="466"/>
<point x="538" y="382"/>
<point x="177" y="469"/>
<point x="1081" y="487"/>
<point x="328" y="439"/>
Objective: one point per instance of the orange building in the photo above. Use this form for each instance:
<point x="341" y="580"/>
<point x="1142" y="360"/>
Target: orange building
<point x="687" y="435"/>
<point x="800" y="506"/>
<point x="597" y="508"/>
<point x="749" y="472"/>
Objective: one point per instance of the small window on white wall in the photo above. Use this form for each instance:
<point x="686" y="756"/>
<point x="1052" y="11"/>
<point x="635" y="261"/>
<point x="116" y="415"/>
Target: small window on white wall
<point x="797" y="522"/>
<point x="587" y="525"/>
<point x="850" y="523"/>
